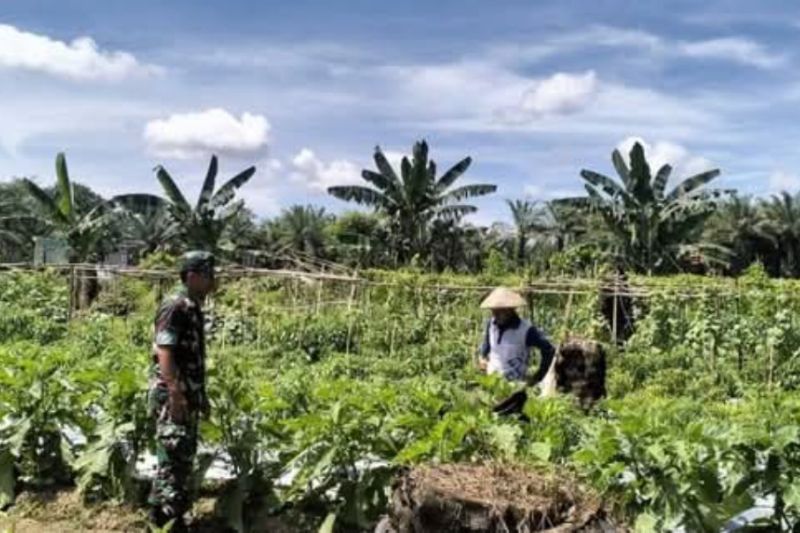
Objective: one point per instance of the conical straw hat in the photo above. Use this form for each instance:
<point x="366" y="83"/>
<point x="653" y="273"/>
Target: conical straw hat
<point x="502" y="298"/>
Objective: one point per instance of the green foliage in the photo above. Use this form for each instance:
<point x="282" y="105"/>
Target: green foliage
<point x="61" y="212"/>
<point x="415" y="198"/>
<point x="653" y="229"/>
<point x="496" y="266"/>
<point x="316" y="407"/>
<point x="203" y="226"/>
<point x="159" y="260"/>
<point x="33" y="306"/>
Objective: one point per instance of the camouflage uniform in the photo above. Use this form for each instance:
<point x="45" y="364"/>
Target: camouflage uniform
<point x="178" y="325"/>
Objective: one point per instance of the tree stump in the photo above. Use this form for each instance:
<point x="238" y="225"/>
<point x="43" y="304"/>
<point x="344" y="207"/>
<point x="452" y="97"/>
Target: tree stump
<point x="494" y="499"/>
<point x="580" y="369"/>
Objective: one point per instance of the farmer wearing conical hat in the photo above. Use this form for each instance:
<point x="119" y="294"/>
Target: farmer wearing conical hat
<point x="508" y="339"/>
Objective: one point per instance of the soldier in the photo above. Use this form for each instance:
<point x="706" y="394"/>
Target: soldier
<point x="177" y="394"/>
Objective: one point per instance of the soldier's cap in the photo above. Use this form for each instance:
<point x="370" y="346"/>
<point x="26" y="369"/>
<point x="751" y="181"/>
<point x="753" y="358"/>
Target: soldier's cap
<point x="198" y="261"/>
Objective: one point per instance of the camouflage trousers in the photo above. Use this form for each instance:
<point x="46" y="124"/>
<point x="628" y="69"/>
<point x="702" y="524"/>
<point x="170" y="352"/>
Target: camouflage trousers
<point x="176" y="445"/>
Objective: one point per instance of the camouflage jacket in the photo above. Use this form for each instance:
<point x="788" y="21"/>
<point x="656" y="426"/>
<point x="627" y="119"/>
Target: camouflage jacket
<point x="179" y="325"/>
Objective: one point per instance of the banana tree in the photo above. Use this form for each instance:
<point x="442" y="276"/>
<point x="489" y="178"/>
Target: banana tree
<point x="652" y="227"/>
<point x="81" y="229"/>
<point x="415" y="198"/>
<point x="203" y="226"/>
<point x="60" y="212"/>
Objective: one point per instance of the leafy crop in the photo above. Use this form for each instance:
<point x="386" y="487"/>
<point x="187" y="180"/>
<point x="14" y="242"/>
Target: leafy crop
<point x="316" y="408"/>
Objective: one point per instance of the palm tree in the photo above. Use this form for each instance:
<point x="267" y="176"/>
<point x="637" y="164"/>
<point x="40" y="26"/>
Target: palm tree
<point x="652" y="228"/>
<point x="457" y="247"/>
<point x="415" y="198"/>
<point x="303" y="229"/>
<point x="524" y="213"/>
<point x="782" y="214"/>
<point x="741" y="225"/>
<point x="202" y="226"/>
<point x="146" y="222"/>
<point x="361" y="239"/>
<point x="12" y="234"/>
<point x="241" y="232"/>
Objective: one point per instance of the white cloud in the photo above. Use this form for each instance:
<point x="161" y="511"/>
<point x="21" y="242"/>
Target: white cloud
<point x="79" y="60"/>
<point x="262" y="194"/>
<point x="732" y="48"/>
<point x="448" y="90"/>
<point x="540" y="193"/>
<point x="273" y="167"/>
<point x="736" y="49"/>
<point x="482" y="92"/>
<point x="594" y="36"/>
<point x="534" y="191"/>
<point x="683" y="163"/>
<point x="783" y="181"/>
<point x="183" y="136"/>
<point x="606" y="111"/>
<point x="318" y="176"/>
<point x="561" y="93"/>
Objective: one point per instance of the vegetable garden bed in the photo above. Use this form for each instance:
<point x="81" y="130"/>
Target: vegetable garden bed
<point x="317" y="407"/>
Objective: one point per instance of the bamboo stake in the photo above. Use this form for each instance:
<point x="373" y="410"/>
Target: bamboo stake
<point x="615" y="312"/>
<point x="771" y="365"/>
<point x="350" y="317"/>
<point x="71" y="294"/>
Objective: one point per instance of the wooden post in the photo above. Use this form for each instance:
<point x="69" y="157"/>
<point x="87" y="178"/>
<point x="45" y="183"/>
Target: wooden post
<point x="740" y="353"/>
<point x="349" y="313"/>
<point x="567" y="316"/>
<point x="771" y="365"/>
<point x="71" y="293"/>
<point x="319" y="295"/>
<point x="259" y="322"/>
<point x="615" y="312"/>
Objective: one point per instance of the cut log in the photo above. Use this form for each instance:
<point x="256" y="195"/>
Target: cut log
<point x="472" y="498"/>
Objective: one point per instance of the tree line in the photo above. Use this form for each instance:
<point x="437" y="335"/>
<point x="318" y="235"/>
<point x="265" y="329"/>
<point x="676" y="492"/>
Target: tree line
<point x="638" y="221"/>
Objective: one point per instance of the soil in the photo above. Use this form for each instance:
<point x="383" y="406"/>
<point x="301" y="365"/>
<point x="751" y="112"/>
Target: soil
<point x="63" y="511"/>
<point x="492" y="498"/>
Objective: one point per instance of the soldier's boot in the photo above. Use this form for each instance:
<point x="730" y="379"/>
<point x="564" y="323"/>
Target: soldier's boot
<point x="158" y="518"/>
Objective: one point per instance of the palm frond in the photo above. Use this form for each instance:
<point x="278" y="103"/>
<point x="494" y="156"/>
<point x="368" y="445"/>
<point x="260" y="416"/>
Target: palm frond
<point x="172" y="191"/>
<point x="46" y="203"/>
<point x="359" y="194"/>
<point x="66" y="194"/>
<point x="609" y="186"/>
<point x="690" y="184"/>
<point x="468" y="191"/>
<point x="660" y="183"/>
<point x="228" y="190"/>
<point x="208" y="184"/>
<point x="450" y="177"/>
<point x="621" y="167"/>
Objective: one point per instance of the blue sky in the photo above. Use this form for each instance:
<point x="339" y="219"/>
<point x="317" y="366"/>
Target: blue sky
<point x="533" y="91"/>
